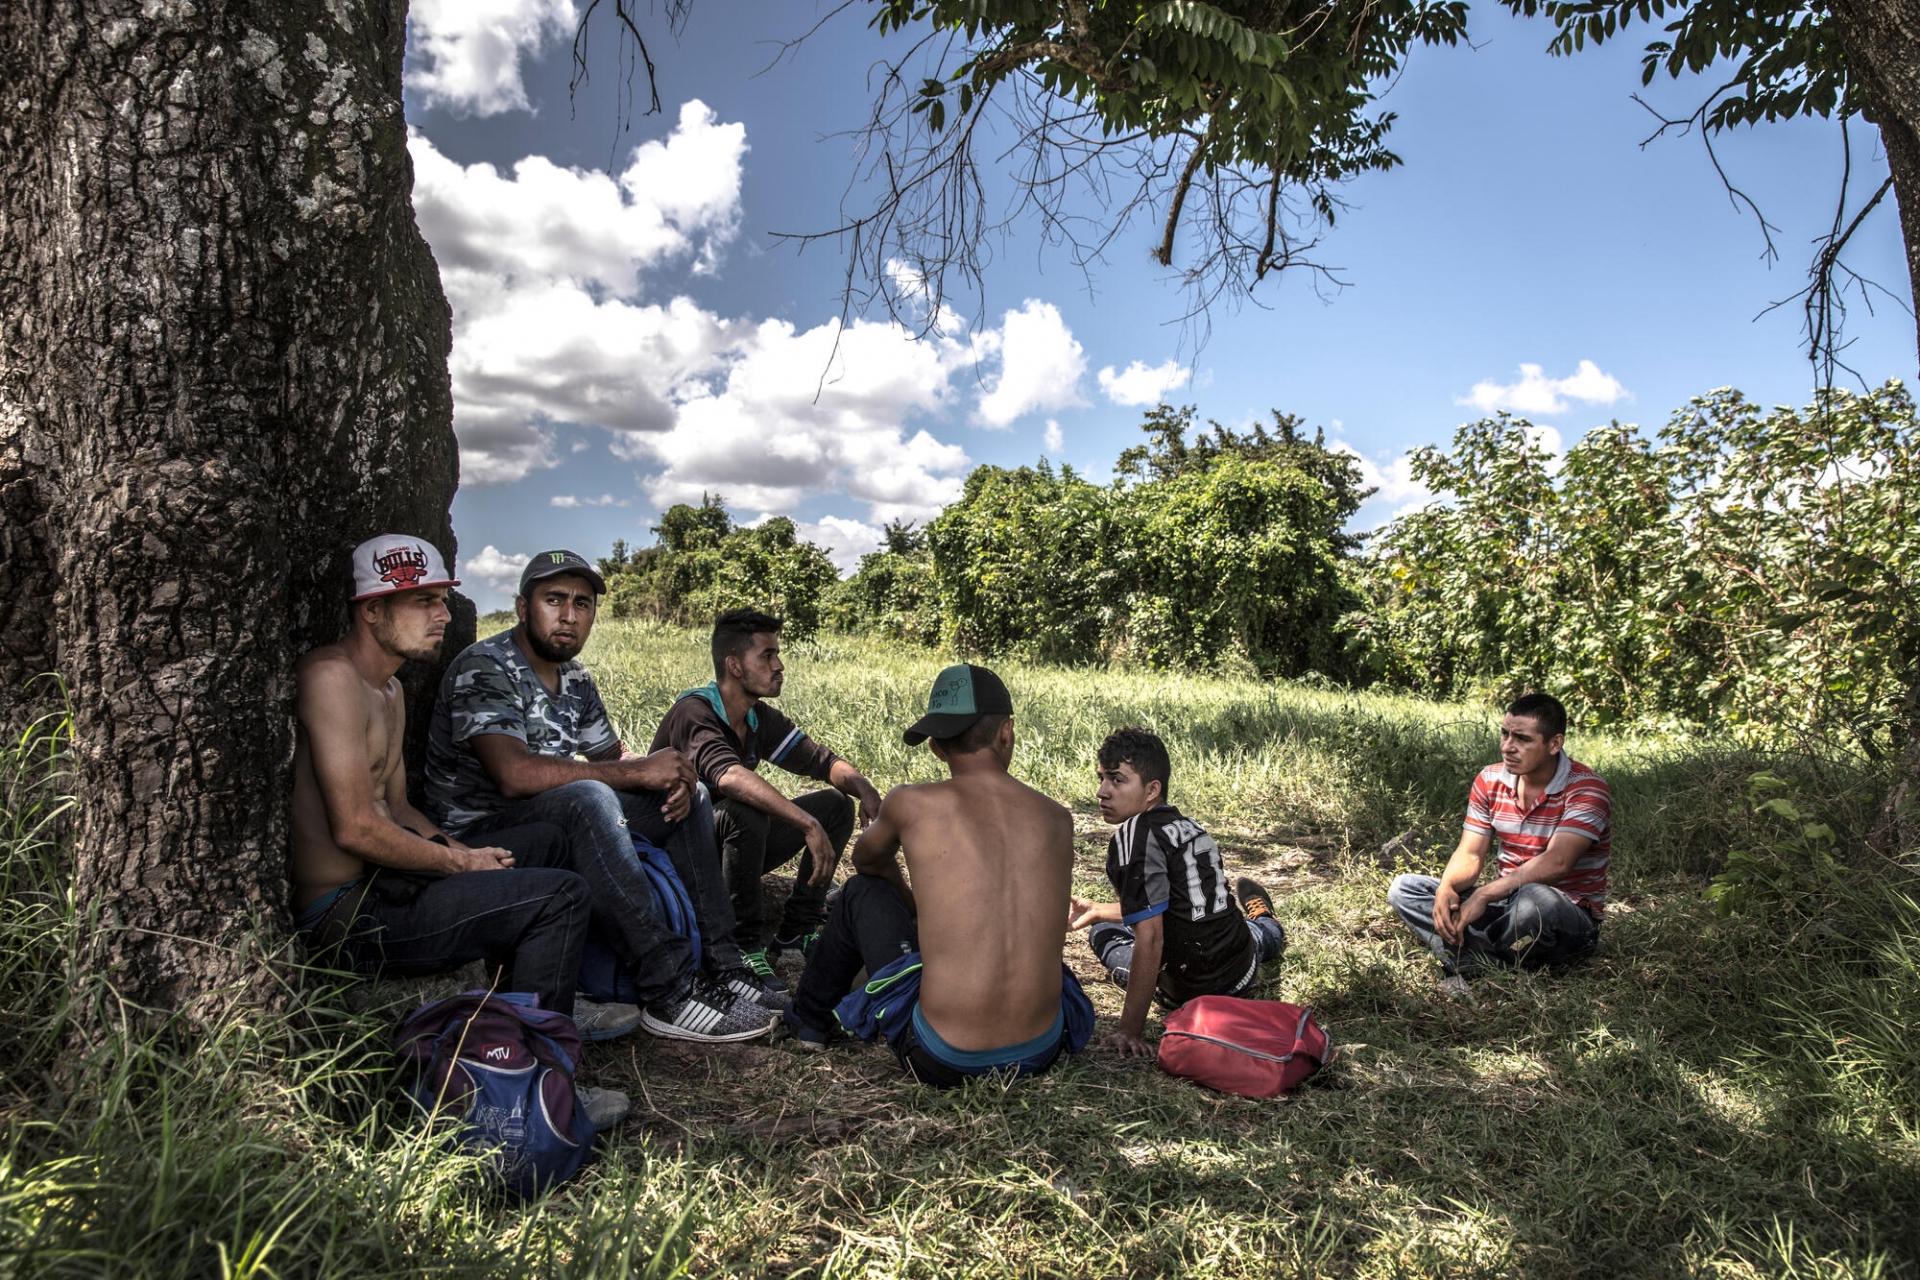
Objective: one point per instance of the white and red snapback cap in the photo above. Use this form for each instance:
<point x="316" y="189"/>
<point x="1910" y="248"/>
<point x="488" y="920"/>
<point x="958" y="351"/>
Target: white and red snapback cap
<point x="397" y="562"/>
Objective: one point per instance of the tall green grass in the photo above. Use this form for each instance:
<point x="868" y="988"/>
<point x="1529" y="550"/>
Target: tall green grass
<point x="1725" y="1096"/>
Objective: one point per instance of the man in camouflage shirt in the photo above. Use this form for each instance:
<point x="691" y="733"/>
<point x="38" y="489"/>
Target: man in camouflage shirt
<point x="515" y="715"/>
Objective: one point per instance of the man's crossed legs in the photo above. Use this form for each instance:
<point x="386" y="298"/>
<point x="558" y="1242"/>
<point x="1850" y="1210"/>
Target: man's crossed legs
<point x="1537" y="925"/>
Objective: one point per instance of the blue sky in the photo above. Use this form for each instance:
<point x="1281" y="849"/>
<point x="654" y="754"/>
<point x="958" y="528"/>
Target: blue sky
<point x="628" y="332"/>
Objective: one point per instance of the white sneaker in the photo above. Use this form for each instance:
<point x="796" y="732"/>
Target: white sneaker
<point x="711" y="1014"/>
<point x="603" y="1021"/>
<point x="604" y="1108"/>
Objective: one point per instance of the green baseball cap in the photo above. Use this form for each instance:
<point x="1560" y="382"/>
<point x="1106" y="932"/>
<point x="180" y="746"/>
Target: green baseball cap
<point x="961" y="695"/>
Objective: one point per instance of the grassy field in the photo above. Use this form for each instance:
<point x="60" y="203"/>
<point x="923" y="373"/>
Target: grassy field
<point x="1726" y="1096"/>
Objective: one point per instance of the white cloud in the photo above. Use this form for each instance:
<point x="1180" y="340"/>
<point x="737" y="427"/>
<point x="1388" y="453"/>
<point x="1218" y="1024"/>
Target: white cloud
<point x="538" y="265"/>
<point x="766" y="439"/>
<point x="1537" y="393"/>
<point x="570" y="502"/>
<point x="499" y="573"/>
<point x="465" y="54"/>
<point x="844" y="540"/>
<point x="1140" y="384"/>
<point x="676" y="197"/>
<point x="1040" y="364"/>
<point x="1054" y="440"/>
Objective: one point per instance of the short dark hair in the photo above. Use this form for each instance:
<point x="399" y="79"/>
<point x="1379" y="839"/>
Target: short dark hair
<point x="733" y="633"/>
<point x="1542" y="708"/>
<point x="975" y="736"/>
<point x="1142" y="749"/>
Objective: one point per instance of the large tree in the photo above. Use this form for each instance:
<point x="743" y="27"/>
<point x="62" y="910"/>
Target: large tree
<point x="223" y="351"/>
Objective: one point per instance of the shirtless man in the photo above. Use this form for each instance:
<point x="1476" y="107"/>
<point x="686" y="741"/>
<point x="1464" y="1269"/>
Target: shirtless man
<point x="374" y="880"/>
<point x="980" y="930"/>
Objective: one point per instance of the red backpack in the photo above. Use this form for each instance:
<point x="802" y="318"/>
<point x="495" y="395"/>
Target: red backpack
<point x="1255" y="1048"/>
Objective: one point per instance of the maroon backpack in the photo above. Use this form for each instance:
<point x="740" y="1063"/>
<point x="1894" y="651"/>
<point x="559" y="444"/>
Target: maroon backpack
<point x="1255" y="1048"/>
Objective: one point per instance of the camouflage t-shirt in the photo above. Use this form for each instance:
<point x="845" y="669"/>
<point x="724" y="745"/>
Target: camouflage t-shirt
<point x="490" y="688"/>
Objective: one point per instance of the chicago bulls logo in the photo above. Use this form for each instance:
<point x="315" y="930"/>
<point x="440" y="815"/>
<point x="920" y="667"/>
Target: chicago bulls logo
<point x="402" y="567"/>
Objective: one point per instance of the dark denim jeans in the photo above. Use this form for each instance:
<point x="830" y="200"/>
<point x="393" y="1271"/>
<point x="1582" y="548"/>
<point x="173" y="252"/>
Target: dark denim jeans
<point x="753" y="842"/>
<point x="1113" y="946"/>
<point x="868" y="927"/>
<point x="530" y="920"/>
<point x="1536" y="925"/>
<point x="597" y="820"/>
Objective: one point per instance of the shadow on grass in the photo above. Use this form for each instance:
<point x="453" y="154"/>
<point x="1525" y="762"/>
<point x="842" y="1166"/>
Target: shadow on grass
<point x="1623" y="1118"/>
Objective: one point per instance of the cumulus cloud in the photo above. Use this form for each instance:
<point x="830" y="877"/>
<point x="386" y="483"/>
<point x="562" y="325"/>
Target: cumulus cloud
<point x="844" y="540"/>
<point x="548" y="269"/>
<point x="775" y="430"/>
<point x="1538" y="394"/>
<point x="496" y="571"/>
<point x="1141" y="384"/>
<point x="1055" y="439"/>
<point x="1040" y="365"/>
<point x="678" y="196"/>
<point x="540" y="264"/>
<point x="570" y="502"/>
<point x="1391" y="478"/>
<point x="465" y="54"/>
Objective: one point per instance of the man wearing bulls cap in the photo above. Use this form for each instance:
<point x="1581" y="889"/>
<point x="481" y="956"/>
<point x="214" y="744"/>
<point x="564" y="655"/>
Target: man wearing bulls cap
<point x="375" y="882"/>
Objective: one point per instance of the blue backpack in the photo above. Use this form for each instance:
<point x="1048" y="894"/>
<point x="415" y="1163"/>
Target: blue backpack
<point x="602" y="976"/>
<point x="505" y="1066"/>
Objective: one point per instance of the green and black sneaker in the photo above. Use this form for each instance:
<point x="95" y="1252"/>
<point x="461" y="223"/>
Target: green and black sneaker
<point x="803" y="943"/>
<point x="763" y="969"/>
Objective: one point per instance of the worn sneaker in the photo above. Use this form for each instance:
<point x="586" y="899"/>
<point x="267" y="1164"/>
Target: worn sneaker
<point x="802" y="943"/>
<point x="806" y="1038"/>
<point x="763" y="970"/>
<point x="744" y="983"/>
<point x="709" y="1013"/>
<point x="603" y="1021"/>
<point x="1254" y="900"/>
<point x="605" y="1108"/>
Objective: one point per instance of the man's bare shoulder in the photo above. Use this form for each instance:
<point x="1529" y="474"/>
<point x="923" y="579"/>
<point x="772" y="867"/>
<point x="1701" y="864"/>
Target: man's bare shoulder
<point x="327" y="670"/>
<point x="913" y="795"/>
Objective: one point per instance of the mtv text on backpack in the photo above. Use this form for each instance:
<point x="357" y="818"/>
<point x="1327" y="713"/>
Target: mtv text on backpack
<point x="505" y="1066"/>
<point x="1255" y="1048"/>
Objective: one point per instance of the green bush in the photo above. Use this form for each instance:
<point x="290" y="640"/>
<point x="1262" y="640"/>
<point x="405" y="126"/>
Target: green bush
<point x="1746" y="569"/>
<point x="704" y="564"/>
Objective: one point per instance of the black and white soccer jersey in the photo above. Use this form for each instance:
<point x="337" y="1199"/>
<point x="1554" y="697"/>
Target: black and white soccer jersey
<point x="1163" y="864"/>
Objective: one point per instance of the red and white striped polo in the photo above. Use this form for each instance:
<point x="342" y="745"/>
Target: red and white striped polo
<point x="1577" y="800"/>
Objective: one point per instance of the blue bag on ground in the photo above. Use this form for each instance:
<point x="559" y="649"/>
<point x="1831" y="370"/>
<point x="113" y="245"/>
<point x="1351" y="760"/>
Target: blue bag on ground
<point x="601" y="975"/>
<point x="505" y="1066"/>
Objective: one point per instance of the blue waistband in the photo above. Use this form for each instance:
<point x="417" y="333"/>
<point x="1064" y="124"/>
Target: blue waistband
<point x="972" y="1060"/>
<point x="317" y="909"/>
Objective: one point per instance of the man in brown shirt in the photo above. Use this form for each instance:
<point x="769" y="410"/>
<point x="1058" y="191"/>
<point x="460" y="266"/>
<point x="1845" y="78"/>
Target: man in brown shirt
<point x="726" y="729"/>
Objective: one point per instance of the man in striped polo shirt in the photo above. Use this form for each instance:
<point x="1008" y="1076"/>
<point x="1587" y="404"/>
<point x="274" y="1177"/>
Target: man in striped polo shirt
<point x="1551" y="817"/>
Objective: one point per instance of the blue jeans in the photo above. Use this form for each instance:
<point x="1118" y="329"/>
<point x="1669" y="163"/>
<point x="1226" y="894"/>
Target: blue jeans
<point x="1533" y="926"/>
<point x="600" y="823"/>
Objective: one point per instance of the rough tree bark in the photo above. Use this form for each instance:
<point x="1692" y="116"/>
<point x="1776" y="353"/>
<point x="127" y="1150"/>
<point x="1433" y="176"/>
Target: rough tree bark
<point x="1882" y="43"/>
<point x="223" y="351"/>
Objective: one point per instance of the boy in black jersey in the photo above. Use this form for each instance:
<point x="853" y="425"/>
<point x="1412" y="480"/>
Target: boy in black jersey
<point x="1177" y="929"/>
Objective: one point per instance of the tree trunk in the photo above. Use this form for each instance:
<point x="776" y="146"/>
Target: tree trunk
<point x="223" y="352"/>
<point x="1882" y="43"/>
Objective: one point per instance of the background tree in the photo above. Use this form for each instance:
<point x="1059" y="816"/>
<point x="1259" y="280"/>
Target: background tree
<point x="222" y="362"/>
<point x="704" y="563"/>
